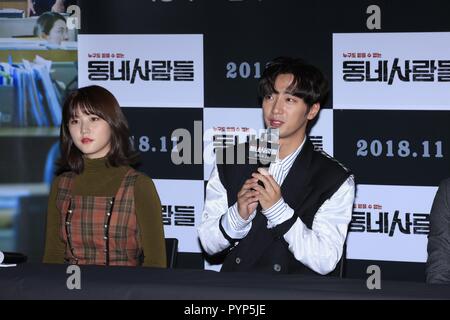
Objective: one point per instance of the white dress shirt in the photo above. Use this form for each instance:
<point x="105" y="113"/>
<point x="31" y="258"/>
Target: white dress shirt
<point x="319" y="248"/>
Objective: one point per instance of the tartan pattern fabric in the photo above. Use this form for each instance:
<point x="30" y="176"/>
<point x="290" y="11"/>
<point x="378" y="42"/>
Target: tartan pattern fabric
<point x="99" y="230"/>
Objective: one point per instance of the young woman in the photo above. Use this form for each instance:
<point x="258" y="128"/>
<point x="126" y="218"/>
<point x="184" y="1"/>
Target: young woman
<point x="101" y="211"/>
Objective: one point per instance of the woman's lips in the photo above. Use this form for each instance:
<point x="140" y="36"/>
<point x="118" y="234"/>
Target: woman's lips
<point x="86" y="140"/>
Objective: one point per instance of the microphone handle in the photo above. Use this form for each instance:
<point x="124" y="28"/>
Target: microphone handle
<point x="13" y="258"/>
<point x="265" y="165"/>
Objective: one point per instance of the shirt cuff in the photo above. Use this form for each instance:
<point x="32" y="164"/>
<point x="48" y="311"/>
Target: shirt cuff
<point x="278" y="213"/>
<point x="234" y="225"/>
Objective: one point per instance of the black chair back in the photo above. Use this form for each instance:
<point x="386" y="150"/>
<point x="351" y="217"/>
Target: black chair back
<point x="171" y="252"/>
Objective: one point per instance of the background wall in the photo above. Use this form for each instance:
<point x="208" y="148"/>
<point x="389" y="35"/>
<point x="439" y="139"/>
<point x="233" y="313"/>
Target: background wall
<point x="373" y="127"/>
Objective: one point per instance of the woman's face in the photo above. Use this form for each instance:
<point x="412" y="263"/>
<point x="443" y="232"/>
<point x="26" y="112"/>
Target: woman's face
<point x="90" y="134"/>
<point x="58" y="33"/>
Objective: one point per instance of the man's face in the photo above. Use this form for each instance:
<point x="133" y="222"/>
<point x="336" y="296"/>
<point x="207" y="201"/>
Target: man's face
<point x="287" y="112"/>
<point x="58" y="33"/>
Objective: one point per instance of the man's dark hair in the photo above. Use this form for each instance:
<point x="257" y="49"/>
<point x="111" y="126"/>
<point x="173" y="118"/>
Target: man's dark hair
<point x="309" y="83"/>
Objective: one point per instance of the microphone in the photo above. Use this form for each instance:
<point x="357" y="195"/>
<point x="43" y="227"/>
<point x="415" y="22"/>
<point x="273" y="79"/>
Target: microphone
<point x="12" y="258"/>
<point x="264" y="151"/>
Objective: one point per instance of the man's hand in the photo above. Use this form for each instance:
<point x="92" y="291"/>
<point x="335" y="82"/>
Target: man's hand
<point x="58" y="6"/>
<point x="31" y="8"/>
<point x="270" y="193"/>
<point x="247" y="199"/>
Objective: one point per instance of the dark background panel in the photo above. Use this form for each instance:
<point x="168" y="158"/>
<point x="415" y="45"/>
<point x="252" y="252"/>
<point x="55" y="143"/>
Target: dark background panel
<point x="377" y="128"/>
<point x="254" y="32"/>
<point x="152" y="128"/>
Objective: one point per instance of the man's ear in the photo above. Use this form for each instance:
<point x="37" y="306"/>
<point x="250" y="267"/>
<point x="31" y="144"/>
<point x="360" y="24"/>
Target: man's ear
<point x="313" y="111"/>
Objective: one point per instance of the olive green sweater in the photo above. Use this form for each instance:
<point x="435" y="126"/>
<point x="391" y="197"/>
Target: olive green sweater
<point x="97" y="179"/>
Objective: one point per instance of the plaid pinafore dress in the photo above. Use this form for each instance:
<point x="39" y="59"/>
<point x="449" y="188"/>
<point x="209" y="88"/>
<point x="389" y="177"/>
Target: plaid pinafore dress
<point x="99" y="230"/>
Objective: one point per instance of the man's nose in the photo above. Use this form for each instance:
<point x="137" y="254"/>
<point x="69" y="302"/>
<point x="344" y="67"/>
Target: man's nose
<point x="277" y="106"/>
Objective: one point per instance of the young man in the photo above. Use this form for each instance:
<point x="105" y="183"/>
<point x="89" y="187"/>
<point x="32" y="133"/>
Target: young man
<point x="297" y="222"/>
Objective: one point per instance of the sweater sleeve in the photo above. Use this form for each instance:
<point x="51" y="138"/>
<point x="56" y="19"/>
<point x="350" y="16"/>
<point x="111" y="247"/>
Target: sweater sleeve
<point x="54" y="247"/>
<point x="149" y="219"/>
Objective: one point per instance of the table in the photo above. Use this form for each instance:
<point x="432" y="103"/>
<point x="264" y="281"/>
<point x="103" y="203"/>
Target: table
<point x="48" y="281"/>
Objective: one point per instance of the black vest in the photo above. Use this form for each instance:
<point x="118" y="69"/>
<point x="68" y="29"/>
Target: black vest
<point x="313" y="178"/>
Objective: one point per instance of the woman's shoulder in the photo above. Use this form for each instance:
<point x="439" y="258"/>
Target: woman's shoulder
<point x="60" y="181"/>
<point x="58" y="178"/>
<point x="142" y="179"/>
<point x="144" y="186"/>
<point x="55" y="184"/>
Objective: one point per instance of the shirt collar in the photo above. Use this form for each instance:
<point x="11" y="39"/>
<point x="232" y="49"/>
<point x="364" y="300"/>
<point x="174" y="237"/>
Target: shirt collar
<point x="288" y="161"/>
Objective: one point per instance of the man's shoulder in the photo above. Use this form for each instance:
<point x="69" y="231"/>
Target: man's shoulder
<point x="445" y="184"/>
<point x="324" y="159"/>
